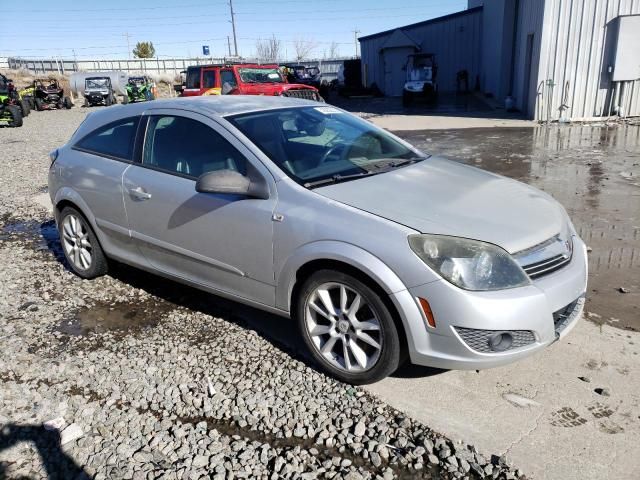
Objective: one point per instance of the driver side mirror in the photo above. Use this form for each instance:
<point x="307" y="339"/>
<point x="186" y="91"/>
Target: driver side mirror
<point x="231" y="182"/>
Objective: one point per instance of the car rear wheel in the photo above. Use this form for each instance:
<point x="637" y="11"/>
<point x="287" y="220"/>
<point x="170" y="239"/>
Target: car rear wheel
<point x="67" y="103"/>
<point x="39" y="104"/>
<point x="80" y="245"/>
<point x="347" y="327"/>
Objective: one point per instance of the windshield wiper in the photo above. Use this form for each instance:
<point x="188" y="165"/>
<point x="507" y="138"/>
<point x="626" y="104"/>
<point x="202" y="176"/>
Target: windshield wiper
<point x="339" y="179"/>
<point x="402" y="163"/>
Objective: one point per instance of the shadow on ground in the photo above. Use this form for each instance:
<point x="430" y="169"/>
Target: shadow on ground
<point x="57" y="464"/>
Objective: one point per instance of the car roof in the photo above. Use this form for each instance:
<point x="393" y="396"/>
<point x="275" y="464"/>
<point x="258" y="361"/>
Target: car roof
<point x="214" y="105"/>
<point x="209" y="105"/>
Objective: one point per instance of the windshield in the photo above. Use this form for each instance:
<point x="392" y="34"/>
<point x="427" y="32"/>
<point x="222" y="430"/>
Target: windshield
<point x="260" y="75"/>
<point x="313" y="144"/>
<point x="97" y="83"/>
<point x="421" y="74"/>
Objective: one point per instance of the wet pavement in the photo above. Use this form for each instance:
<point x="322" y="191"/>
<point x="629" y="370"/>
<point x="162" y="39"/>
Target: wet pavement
<point x="594" y="171"/>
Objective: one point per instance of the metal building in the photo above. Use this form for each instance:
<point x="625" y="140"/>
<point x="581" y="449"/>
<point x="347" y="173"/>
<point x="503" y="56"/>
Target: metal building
<point x="556" y="59"/>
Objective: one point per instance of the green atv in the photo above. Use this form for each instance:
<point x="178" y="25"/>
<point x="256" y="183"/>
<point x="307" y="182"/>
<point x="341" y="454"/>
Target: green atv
<point x="139" y="89"/>
<point x="10" y="112"/>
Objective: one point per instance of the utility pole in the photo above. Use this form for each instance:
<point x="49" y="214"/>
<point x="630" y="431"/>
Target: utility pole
<point x="126" y="34"/>
<point x="233" y="26"/>
<point x="229" y="44"/>
<point x="355" y="39"/>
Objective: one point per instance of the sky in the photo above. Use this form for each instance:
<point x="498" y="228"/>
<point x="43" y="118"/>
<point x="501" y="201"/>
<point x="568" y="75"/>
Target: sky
<point x="109" y="29"/>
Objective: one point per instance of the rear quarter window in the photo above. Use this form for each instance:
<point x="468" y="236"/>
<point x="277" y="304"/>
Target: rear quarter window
<point x="116" y="139"/>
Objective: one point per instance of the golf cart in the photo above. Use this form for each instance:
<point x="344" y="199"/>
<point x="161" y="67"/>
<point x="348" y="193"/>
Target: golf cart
<point x="8" y="89"/>
<point x="422" y="72"/>
<point x="98" y="91"/>
<point x="49" y="95"/>
<point x="139" y="89"/>
<point x="10" y="114"/>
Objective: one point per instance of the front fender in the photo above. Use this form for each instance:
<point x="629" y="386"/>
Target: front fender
<point x="337" y="251"/>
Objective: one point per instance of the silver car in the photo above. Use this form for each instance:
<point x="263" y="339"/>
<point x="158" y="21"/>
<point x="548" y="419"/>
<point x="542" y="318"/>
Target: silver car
<point x="378" y="251"/>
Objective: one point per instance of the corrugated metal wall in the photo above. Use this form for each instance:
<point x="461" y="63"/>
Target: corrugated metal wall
<point x="577" y="47"/>
<point x="455" y="41"/>
<point x="527" y="54"/>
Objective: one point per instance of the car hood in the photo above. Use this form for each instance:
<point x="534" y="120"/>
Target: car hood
<point x="443" y="197"/>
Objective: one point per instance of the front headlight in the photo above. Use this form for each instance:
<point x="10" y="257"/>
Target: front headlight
<point x="469" y="264"/>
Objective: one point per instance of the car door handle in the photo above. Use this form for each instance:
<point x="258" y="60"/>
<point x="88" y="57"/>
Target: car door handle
<point x="139" y="193"/>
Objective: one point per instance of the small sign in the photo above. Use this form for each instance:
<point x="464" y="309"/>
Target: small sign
<point x="205" y="50"/>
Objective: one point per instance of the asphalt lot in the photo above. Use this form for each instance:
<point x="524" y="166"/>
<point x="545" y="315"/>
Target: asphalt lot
<point x="131" y="353"/>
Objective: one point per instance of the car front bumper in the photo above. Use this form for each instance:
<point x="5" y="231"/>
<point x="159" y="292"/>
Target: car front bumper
<point x="536" y="315"/>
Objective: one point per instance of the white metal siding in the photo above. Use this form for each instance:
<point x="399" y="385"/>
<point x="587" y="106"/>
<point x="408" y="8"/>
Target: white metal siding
<point x="577" y="46"/>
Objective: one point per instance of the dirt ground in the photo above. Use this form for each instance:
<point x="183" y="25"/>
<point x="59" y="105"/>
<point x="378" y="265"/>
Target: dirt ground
<point x="594" y="171"/>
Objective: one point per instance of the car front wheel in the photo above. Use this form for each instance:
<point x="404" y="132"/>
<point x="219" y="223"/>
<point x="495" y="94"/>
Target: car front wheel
<point x="80" y="245"/>
<point x="347" y="327"/>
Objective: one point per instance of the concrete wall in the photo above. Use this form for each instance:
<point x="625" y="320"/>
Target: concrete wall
<point x="578" y="44"/>
<point x="455" y="39"/>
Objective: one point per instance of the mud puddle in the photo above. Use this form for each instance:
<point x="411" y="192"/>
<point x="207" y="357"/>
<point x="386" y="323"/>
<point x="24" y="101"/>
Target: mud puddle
<point x="594" y="171"/>
<point x="119" y="317"/>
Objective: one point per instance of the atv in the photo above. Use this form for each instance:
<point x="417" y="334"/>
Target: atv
<point x="10" y="114"/>
<point x="8" y="89"/>
<point x="48" y="97"/>
<point x="139" y="89"/>
<point x="98" y="91"/>
<point x="422" y="72"/>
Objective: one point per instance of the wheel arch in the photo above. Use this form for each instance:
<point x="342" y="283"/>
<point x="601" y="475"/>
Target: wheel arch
<point x="346" y="258"/>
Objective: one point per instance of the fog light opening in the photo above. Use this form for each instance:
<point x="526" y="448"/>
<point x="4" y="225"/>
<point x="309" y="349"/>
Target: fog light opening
<point x="501" y="341"/>
<point x="428" y="314"/>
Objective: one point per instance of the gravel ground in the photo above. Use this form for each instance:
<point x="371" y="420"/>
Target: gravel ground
<point x="129" y="376"/>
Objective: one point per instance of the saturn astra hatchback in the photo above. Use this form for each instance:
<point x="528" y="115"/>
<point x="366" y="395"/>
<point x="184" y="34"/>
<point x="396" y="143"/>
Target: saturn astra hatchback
<point x="378" y="251"/>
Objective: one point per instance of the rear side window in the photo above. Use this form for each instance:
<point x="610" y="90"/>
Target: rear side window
<point x="193" y="78"/>
<point x="189" y="148"/>
<point x="209" y="78"/>
<point x="115" y="139"/>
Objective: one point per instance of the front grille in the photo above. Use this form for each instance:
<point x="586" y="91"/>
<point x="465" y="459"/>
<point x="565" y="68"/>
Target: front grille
<point x="546" y="257"/>
<point x="479" y="339"/>
<point x="544" y="267"/>
<point x="566" y="315"/>
<point x="305" y="94"/>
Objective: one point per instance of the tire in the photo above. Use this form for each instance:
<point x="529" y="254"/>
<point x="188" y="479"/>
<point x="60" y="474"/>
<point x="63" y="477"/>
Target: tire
<point x="359" y="332"/>
<point x="16" y="116"/>
<point x="39" y="104"/>
<point x="24" y="106"/>
<point x="406" y="99"/>
<point x="108" y="101"/>
<point x="80" y="245"/>
<point x="67" y="103"/>
<point x="125" y="99"/>
<point x="31" y="102"/>
<point x="86" y="102"/>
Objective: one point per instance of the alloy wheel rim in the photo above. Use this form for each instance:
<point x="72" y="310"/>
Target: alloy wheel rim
<point x="75" y="238"/>
<point x="343" y="327"/>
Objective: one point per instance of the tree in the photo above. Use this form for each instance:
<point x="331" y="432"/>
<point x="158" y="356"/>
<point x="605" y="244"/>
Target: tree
<point x="144" y="50"/>
<point x="303" y="48"/>
<point x="268" y="50"/>
<point x="334" y="50"/>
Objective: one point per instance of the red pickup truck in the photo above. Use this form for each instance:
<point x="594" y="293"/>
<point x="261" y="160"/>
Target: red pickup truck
<point x="243" y="79"/>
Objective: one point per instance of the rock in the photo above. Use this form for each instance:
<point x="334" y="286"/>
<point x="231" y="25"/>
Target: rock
<point x="70" y="433"/>
<point x="359" y="429"/>
<point x="603" y="391"/>
<point x="57" y="423"/>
